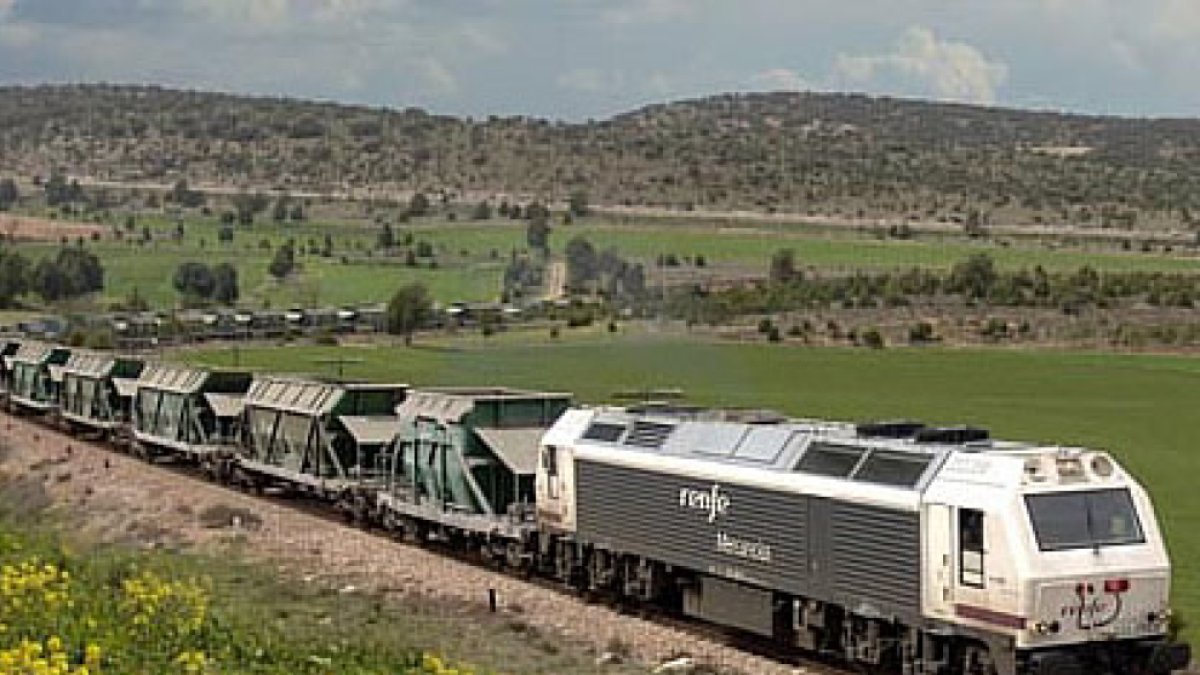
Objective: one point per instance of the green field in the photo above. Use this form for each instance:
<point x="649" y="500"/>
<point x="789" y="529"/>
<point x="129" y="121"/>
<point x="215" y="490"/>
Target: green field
<point x="1142" y="408"/>
<point x="471" y="256"/>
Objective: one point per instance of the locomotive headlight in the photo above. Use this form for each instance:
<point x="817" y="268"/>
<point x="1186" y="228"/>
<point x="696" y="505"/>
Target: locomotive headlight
<point x="1047" y="628"/>
<point x="1160" y="618"/>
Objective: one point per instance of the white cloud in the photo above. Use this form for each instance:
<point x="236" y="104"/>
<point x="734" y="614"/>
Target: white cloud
<point x="780" y="79"/>
<point x="439" y="80"/>
<point x="18" y="35"/>
<point x="638" y="12"/>
<point x="481" y="39"/>
<point x="591" y="80"/>
<point x="255" y="13"/>
<point x="923" y="64"/>
<point x="1177" y="20"/>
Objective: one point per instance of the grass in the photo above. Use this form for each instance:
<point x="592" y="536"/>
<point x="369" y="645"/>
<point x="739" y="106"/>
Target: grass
<point x="471" y="255"/>
<point x="1142" y="408"/>
<point x="323" y="281"/>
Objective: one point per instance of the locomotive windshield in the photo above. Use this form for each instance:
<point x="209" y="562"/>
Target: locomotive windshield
<point x="1073" y="520"/>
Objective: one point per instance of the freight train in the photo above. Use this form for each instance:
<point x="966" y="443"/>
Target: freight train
<point x="895" y="547"/>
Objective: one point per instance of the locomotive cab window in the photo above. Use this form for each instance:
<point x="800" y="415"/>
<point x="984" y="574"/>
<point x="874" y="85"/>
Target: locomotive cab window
<point x="1071" y="520"/>
<point x="970" y="547"/>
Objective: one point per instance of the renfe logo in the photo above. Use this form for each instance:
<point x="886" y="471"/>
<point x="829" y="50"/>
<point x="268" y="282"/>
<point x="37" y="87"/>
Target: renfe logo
<point x="713" y="501"/>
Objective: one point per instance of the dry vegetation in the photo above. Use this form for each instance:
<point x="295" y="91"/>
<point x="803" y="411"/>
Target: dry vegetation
<point x="822" y="154"/>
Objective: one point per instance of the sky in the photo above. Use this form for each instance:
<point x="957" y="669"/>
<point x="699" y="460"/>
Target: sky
<point x="580" y="59"/>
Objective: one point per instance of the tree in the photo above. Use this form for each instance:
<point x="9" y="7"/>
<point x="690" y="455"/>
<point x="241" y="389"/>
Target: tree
<point x="418" y="205"/>
<point x="577" y="204"/>
<point x="297" y="214"/>
<point x="386" y="238"/>
<point x="186" y="197"/>
<point x="81" y="270"/>
<point x="245" y="214"/>
<point x="408" y="310"/>
<point x="284" y="262"/>
<point x="72" y="273"/>
<point x="49" y="281"/>
<point x="583" y="264"/>
<point x="975" y="276"/>
<point x="8" y="194"/>
<point x="280" y="212"/>
<point x="194" y="279"/>
<point x="225" y="283"/>
<point x="783" y="267"/>
<point x="14" y="277"/>
<point x="57" y="190"/>
<point x="225" y="234"/>
<point x="247" y="206"/>
<point x="537" y="234"/>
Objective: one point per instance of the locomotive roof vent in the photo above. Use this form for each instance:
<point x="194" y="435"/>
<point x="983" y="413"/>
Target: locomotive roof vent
<point x="647" y="434"/>
<point x="952" y="435"/>
<point x="757" y="416"/>
<point x="609" y="432"/>
<point x="665" y="409"/>
<point x="891" y="429"/>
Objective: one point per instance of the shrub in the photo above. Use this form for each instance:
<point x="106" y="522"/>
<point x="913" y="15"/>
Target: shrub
<point x="872" y="338"/>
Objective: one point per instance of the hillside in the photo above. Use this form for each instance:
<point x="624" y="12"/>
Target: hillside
<point x="820" y="154"/>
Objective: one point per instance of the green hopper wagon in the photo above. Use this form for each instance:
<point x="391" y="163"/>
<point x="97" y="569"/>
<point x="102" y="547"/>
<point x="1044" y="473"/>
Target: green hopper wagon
<point x="36" y="376"/>
<point x="188" y="412"/>
<point x="323" y="437"/>
<point x="98" y="390"/>
<point x="466" y="458"/>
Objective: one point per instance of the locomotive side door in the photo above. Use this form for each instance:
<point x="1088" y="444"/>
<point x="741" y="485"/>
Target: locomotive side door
<point x="553" y="491"/>
<point x="972" y="572"/>
<point x="939" y="559"/>
<point x="971" y="588"/>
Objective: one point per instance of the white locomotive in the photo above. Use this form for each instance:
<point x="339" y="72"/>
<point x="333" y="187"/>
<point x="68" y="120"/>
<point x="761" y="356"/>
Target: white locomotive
<point x="912" y="549"/>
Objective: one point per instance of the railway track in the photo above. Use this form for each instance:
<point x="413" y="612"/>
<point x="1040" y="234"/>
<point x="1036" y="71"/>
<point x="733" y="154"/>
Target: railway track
<point x="297" y="526"/>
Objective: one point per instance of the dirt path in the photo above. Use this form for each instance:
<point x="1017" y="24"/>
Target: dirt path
<point x="117" y="498"/>
<point x="25" y="228"/>
<point x="556" y="281"/>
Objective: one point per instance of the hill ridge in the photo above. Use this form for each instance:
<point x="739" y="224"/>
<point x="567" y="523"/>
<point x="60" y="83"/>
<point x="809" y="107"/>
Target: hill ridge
<point x="837" y="154"/>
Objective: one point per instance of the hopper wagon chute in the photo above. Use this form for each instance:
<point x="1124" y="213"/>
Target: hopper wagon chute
<point x="98" y="391"/>
<point x="323" y="437"/>
<point x="191" y="413"/>
<point x="36" y="376"/>
<point x="466" y="459"/>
